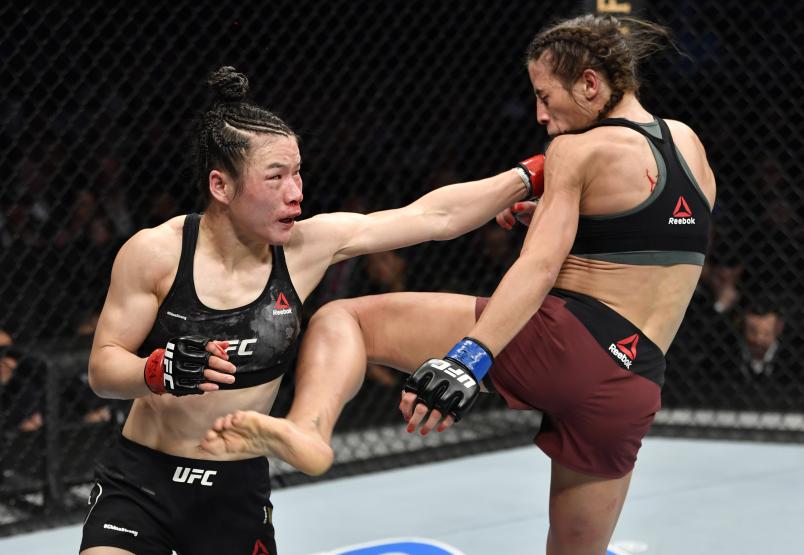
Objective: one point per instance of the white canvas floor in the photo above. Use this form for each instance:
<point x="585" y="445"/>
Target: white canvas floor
<point x="688" y="497"/>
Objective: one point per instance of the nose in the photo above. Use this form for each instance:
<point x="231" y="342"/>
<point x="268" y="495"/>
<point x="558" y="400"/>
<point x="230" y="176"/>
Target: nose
<point x="541" y="114"/>
<point x="294" y="192"/>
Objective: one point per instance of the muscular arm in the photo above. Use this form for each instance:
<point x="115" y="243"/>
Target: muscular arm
<point x="442" y="214"/>
<point x="127" y="316"/>
<point x="445" y="213"/>
<point x="547" y="244"/>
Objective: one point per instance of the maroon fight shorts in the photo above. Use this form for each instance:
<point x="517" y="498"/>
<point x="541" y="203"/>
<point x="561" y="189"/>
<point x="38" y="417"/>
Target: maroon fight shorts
<point x="593" y="374"/>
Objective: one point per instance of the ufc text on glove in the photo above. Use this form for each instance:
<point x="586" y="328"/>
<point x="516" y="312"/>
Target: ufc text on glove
<point x="451" y="385"/>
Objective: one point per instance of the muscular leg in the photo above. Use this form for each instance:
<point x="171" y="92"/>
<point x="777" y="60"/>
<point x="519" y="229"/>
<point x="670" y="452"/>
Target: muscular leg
<point x="583" y="511"/>
<point x="400" y="330"/>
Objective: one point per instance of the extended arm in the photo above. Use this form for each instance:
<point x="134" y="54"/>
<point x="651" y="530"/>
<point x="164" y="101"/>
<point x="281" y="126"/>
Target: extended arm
<point x="442" y="214"/>
<point x="450" y="385"/>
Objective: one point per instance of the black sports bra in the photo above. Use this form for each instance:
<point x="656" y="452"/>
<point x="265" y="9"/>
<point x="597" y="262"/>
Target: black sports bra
<point x="670" y="227"/>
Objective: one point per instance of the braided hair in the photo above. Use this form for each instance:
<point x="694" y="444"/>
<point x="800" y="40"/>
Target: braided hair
<point x="598" y="43"/>
<point x="226" y="128"/>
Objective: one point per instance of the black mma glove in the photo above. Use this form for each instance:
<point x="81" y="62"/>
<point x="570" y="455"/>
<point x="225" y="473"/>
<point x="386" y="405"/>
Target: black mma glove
<point x="451" y="385"/>
<point x="178" y="369"/>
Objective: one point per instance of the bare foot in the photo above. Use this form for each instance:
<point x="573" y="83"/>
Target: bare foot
<point x="257" y="434"/>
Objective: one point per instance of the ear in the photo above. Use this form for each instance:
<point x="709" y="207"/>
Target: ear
<point x="592" y="83"/>
<point x="220" y="187"/>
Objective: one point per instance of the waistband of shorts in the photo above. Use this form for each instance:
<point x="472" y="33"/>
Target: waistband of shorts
<point x="627" y="345"/>
<point x="138" y="451"/>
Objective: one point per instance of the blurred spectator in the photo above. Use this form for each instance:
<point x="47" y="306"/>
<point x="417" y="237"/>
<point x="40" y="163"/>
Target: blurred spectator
<point x="721" y="279"/>
<point x="761" y="353"/>
<point x="84" y="248"/>
<point x="769" y="362"/>
<point x="78" y="402"/>
<point x="21" y="388"/>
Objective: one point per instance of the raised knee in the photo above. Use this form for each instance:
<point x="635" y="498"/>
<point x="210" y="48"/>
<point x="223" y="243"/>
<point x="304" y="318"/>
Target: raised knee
<point x="337" y="306"/>
<point x="335" y="311"/>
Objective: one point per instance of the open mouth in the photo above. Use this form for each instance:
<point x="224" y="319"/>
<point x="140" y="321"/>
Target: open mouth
<point x="287" y="220"/>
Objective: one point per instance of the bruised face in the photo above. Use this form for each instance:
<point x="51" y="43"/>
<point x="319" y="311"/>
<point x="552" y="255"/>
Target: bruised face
<point x="268" y="200"/>
<point x="558" y="109"/>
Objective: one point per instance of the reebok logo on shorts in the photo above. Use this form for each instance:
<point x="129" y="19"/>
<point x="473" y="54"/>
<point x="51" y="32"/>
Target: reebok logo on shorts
<point x="625" y="350"/>
<point x="282" y="306"/>
<point x="682" y="215"/>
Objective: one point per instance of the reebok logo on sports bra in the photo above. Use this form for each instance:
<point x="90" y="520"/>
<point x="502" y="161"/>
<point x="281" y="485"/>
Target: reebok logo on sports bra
<point x="281" y="307"/>
<point x="682" y="215"/>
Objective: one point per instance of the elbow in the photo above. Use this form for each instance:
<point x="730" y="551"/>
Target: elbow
<point x="95" y="379"/>
<point x="95" y="382"/>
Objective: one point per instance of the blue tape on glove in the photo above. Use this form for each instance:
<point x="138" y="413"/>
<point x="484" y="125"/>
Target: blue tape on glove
<point x="473" y="355"/>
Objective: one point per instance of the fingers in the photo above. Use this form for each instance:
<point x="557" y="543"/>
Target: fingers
<point x="431" y="423"/>
<point x="446" y="423"/>
<point x="421" y="415"/>
<point x="218" y="348"/>
<point x="407" y="404"/>
<point x="219" y="369"/>
<point x="220" y="359"/>
<point x="220" y="377"/>
<point x="417" y="417"/>
<point x="505" y="219"/>
<point x="523" y="212"/>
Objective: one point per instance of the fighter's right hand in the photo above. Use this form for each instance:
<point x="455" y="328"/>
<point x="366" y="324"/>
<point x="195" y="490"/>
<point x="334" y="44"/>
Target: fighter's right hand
<point x="521" y="212"/>
<point x="188" y="365"/>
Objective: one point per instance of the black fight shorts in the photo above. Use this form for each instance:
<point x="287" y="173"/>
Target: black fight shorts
<point x="148" y="502"/>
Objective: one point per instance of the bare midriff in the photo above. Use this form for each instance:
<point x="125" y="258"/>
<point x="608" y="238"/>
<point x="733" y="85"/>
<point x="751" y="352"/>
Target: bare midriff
<point x="176" y="425"/>
<point x="653" y="298"/>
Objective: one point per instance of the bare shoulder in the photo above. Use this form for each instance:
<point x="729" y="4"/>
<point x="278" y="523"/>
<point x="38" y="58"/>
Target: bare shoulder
<point x="679" y="126"/>
<point x="321" y="230"/>
<point x="683" y="134"/>
<point x="575" y="147"/>
<point x="572" y="155"/>
<point x="153" y="252"/>
<point x="319" y="237"/>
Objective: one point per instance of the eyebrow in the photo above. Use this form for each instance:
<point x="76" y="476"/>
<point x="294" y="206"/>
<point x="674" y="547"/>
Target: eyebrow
<point x="280" y="165"/>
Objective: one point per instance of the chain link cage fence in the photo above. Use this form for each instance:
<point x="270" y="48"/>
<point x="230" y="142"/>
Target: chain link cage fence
<point x="391" y="99"/>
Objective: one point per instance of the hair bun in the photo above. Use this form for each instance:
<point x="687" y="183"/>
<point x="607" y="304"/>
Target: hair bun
<point x="228" y="84"/>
